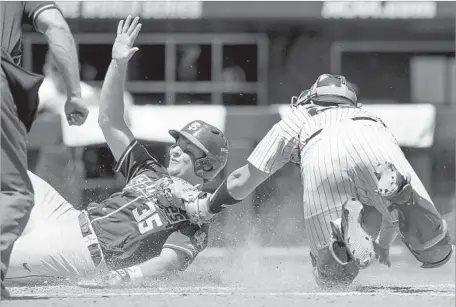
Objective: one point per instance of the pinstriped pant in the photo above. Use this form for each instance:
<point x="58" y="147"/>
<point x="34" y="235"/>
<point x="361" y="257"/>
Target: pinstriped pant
<point x="339" y="164"/>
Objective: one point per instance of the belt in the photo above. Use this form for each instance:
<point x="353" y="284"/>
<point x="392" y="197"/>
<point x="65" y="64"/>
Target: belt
<point x="90" y="238"/>
<point x="354" y="119"/>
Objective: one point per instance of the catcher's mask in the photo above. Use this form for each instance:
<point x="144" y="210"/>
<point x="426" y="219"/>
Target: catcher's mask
<point x="333" y="266"/>
<point x="211" y="141"/>
<point x="327" y="90"/>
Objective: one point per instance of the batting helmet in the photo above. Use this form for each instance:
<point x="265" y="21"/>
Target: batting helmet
<point x="211" y="141"/>
<point x="328" y="89"/>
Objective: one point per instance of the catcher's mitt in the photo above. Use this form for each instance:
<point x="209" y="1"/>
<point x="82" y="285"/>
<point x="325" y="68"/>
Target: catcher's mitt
<point x="422" y="228"/>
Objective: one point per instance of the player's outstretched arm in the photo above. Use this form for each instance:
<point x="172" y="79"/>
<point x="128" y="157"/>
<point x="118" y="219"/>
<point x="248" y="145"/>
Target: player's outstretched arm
<point x="237" y="186"/>
<point x="234" y="189"/>
<point x="170" y="261"/>
<point x="273" y="152"/>
<point x="51" y="23"/>
<point x="111" y="114"/>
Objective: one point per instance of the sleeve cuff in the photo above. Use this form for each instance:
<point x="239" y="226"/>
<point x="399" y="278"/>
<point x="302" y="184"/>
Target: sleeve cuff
<point x="41" y="9"/>
<point x="262" y="168"/>
<point x="127" y="151"/>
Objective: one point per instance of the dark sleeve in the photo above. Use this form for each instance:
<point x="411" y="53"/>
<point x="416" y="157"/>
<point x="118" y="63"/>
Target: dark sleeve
<point x="34" y="8"/>
<point x="190" y="240"/>
<point x="136" y="160"/>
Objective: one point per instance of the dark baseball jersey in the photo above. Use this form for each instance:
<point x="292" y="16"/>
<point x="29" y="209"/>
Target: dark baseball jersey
<point x="338" y="149"/>
<point x="131" y="226"/>
<point x="13" y="15"/>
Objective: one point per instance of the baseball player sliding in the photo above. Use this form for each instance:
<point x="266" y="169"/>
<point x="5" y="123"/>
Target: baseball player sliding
<point x="134" y="233"/>
<point x="348" y="159"/>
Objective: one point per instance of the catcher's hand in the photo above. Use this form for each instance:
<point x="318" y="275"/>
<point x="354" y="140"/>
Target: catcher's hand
<point x="112" y="279"/>
<point x="382" y="254"/>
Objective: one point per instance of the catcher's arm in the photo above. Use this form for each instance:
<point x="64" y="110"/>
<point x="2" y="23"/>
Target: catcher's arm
<point x="387" y="234"/>
<point x="272" y="153"/>
<point x="276" y="149"/>
<point x="237" y="186"/>
<point x="244" y="180"/>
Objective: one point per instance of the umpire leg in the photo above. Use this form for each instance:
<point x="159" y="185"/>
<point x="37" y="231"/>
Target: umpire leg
<point x="16" y="197"/>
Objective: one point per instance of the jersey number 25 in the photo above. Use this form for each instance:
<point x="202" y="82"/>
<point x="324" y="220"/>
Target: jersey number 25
<point x="147" y="218"/>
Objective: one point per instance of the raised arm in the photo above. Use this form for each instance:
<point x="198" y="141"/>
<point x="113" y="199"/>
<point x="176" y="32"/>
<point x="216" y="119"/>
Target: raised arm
<point x="53" y="26"/>
<point x="111" y="114"/>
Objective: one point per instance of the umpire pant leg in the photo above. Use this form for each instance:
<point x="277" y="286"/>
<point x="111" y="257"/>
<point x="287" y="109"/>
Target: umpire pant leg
<point x="16" y="197"/>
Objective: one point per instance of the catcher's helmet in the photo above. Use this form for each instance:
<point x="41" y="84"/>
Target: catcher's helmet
<point x="329" y="272"/>
<point x="211" y="141"/>
<point x="328" y="89"/>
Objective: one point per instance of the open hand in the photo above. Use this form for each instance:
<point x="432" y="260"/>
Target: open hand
<point x="382" y="254"/>
<point x="123" y="49"/>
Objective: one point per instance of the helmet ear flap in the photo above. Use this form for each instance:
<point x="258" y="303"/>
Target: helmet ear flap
<point x="207" y="165"/>
<point x="202" y="166"/>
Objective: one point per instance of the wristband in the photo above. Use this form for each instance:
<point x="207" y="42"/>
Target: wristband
<point x="220" y="198"/>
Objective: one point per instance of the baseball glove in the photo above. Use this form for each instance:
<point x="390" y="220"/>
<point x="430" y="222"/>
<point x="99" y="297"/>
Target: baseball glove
<point x="173" y="191"/>
<point x="420" y="223"/>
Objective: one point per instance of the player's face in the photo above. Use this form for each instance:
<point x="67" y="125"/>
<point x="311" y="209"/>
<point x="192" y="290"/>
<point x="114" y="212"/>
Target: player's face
<point x="182" y="156"/>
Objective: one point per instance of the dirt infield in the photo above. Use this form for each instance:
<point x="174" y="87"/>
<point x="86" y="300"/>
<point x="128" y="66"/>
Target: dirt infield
<point x="254" y="277"/>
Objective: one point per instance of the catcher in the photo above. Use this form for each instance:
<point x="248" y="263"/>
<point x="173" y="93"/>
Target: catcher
<point x="349" y="160"/>
<point x="138" y="232"/>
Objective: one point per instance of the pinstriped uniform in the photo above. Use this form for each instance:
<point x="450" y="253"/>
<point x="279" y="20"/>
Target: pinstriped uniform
<point x="338" y="149"/>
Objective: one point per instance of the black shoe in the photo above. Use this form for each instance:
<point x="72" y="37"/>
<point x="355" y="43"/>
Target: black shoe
<point x="5" y="293"/>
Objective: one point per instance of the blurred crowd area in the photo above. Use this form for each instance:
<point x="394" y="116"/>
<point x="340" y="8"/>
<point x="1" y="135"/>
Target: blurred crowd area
<point x="251" y="55"/>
